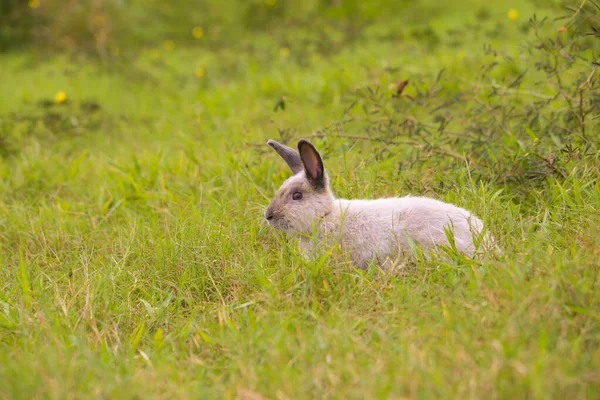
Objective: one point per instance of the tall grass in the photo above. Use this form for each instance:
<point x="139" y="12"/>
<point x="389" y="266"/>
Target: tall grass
<point x="135" y="261"/>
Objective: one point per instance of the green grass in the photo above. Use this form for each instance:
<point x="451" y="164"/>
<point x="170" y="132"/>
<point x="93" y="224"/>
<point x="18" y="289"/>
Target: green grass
<point x="136" y="263"/>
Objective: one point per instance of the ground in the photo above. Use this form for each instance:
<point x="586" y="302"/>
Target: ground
<point x="136" y="262"/>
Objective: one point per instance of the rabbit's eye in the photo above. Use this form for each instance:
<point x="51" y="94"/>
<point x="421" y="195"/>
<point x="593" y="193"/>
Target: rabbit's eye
<point x="297" y="196"/>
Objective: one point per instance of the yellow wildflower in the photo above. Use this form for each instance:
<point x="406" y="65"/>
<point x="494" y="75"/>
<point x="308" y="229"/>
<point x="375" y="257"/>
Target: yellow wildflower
<point x="60" y="97"/>
<point x="513" y="14"/>
<point x="197" y="32"/>
<point x="169" y="45"/>
<point x="284" y="52"/>
<point x="34" y="3"/>
<point x="199" y="72"/>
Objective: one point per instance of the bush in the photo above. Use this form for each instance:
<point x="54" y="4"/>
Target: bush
<point x="517" y="132"/>
<point x="97" y="26"/>
<point x="16" y="22"/>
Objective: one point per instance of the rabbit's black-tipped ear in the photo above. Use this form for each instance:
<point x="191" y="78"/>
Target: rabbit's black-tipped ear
<point x="289" y="155"/>
<point x="313" y="164"/>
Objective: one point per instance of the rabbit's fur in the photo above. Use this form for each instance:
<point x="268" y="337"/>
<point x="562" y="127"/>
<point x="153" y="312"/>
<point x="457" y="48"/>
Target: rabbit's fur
<point x="368" y="231"/>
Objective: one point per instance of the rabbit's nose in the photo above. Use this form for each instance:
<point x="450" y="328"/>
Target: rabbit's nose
<point x="269" y="215"/>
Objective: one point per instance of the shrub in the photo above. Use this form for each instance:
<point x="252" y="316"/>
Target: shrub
<point x="97" y="26"/>
<point x="545" y="118"/>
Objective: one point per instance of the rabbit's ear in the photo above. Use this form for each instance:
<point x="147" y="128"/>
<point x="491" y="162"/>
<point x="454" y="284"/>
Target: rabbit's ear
<point x="313" y="164"/>
<point x="289" y="155"/>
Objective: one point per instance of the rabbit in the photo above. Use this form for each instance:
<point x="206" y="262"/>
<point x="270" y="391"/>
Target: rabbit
<point x="367" y="231"/>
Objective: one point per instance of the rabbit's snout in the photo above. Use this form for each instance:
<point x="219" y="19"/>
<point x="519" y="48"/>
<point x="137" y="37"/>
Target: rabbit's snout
<point x="270" y="214"/>
<point x="275" y="218"/>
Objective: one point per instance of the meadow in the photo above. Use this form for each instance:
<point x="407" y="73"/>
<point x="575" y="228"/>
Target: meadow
<point x="135" y="260"/>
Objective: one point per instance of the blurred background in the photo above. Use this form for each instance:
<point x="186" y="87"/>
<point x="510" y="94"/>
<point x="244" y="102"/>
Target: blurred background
<point x="261" y="68"/>
<point x="102" y="26"/>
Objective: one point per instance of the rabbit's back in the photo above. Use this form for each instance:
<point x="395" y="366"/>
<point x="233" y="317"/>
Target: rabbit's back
<point x="380" y="228"/>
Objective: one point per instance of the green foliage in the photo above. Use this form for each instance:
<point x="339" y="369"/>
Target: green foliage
<point x="134" y="258"/>
<point x="100" y="26"/>
<point x="15" y="23"/>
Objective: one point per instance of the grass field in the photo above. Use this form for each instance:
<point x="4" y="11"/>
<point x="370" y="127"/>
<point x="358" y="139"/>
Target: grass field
<point x="136" y="262"/>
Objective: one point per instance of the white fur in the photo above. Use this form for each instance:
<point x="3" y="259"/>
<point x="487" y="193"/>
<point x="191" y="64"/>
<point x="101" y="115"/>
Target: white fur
<point x="379" y="230"/>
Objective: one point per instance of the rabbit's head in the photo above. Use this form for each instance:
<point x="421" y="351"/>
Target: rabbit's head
<point x="304" y="198"/>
